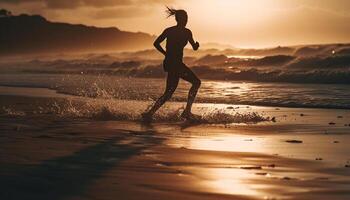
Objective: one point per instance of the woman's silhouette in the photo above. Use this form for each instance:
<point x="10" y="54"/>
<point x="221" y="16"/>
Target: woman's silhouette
<point x="177" y="38"/>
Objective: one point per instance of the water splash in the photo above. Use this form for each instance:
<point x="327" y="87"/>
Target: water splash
<point x="126" y="110"/>
<point x="221" y="117"/>
<point x="8" y="111"/>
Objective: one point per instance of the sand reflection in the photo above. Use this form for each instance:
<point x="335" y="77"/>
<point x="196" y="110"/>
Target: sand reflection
<point x="256" y="166"/>
<point x="231" y="143"/>
<point x="231" y="181"/>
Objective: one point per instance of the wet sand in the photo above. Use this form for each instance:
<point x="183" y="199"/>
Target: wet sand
<point x="303" y="155"/>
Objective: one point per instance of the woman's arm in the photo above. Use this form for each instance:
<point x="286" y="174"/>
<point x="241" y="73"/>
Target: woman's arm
<point x="195" y="45"/>
<point x="158" y="41"/>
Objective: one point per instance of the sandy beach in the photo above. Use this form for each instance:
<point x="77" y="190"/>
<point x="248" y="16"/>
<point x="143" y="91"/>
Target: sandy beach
<point x="301" y="154"/>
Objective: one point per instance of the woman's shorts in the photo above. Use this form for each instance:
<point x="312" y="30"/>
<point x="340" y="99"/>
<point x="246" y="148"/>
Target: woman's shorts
<point x="173" y="65"/>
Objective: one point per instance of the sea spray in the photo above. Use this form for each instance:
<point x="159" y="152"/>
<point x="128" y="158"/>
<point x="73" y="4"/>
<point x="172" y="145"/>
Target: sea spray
<point x="8" y="111"/>
<point x="126" y="110"/>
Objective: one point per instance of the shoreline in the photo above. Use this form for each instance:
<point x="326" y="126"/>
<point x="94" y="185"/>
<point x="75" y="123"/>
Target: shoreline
<point x="42" y="91"/>
<point x="113" y="87"/>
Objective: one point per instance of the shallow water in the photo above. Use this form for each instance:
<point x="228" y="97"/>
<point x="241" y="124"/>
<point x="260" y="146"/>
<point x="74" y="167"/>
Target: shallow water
<point x="231" y="92"/>
<point x="312" y="147"/>
<point x="241" y="162"/>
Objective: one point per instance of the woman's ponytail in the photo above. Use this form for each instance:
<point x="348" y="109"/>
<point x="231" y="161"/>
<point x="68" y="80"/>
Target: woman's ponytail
<point x="170" y="11"/>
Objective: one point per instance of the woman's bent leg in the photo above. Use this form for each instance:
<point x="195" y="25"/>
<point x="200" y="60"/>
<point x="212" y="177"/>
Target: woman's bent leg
<point x="189" y="76"/>
<point x="171" y="85"/>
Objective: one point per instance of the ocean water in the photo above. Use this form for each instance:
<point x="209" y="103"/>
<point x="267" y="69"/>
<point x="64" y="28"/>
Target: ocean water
<point x="229" y="92"/>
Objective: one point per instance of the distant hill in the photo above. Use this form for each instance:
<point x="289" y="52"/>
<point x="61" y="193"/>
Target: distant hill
<point x="31" y="34"/>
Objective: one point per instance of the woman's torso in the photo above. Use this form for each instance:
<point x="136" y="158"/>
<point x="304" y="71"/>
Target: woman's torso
<point x="177" y="38"/>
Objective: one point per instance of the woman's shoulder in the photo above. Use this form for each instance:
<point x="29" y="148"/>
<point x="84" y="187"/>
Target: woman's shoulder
<point x="167" y="30"/>
<point x="176" y="30"/>
<point x="170" y="28"/>
<point x="189" y="32"/>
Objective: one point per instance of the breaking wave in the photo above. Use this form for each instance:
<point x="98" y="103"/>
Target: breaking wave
<point x="327" y="65"/>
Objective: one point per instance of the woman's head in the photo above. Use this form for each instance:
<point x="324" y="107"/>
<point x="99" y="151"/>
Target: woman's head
<point x="180" y="16"/>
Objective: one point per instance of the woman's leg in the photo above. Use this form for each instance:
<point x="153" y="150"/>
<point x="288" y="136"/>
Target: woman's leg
<point x="188" y="75"/>
<point x="171" y="85"/>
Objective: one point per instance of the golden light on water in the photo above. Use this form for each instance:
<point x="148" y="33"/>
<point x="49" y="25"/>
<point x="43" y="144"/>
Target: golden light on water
<point x="232" y="143"/>
<point x="229" y="88"/>
<point x="247" y="171"/>
<point x="231" y="181"/>
<point x="227" y="179"/>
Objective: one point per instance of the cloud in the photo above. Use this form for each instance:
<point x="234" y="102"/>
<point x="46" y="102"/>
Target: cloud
<point x="69" y="4"/>
<point x="124" y="12"/>
<point x="18" y="1"/>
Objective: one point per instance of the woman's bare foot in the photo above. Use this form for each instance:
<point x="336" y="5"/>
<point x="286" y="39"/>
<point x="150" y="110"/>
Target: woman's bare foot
<point x="146" y="117"/>
<point x="190" y="116"/>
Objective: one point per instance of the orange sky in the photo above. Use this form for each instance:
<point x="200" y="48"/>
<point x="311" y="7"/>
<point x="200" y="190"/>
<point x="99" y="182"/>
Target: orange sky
<point x="241" y="23"/>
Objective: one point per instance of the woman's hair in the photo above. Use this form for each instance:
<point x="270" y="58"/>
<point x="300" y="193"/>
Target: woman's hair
<point x="170" y="11"/>
<point x="179" y="14"/>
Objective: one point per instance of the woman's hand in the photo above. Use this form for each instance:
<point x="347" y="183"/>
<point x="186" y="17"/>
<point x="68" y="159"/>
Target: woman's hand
<point x="196" y="46"/>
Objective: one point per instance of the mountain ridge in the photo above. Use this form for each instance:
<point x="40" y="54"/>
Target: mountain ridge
<point x="31" y="34"/>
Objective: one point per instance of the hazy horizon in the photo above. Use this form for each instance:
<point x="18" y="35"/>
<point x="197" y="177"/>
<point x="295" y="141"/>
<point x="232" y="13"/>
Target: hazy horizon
<point x="244" y="24"/>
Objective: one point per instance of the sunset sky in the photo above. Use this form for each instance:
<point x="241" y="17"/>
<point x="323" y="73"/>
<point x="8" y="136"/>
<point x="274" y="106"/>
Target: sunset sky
<point x="241" y="23"/>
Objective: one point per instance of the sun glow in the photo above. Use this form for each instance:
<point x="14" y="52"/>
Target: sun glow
<point x="233" y="12"/>
<point x="229" y="18"/>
